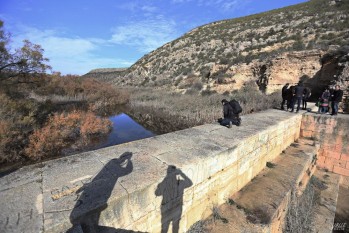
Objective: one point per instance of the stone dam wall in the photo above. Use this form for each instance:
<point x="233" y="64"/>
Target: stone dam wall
<point x="168" y="181"/>
<point x="332" y="133"/>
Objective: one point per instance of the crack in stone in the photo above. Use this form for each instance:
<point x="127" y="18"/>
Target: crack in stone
<point x="42" y="200"/>
<point x="128" y="194"/>
<point x="148" y="213"/>
<point x="160" y="159"/>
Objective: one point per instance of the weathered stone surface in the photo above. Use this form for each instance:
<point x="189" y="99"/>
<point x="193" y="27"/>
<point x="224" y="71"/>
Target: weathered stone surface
<point x="74" y="186"/>
<point x="134" y="186"/>
<point x="22" y="208"/>
<point x="332" y="133"/>
<point x="260" y="206"/>
<point x="22" y="176"/>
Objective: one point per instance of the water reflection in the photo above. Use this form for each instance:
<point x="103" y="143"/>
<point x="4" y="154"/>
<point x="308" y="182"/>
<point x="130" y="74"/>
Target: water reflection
<point x="125" y="129"/>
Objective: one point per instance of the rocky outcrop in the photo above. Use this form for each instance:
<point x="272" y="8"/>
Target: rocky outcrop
<point x="271" y="74"/>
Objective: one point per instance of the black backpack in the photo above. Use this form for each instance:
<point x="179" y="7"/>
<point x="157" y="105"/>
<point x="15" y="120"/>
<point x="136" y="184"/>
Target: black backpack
<point x="236" y="106"/>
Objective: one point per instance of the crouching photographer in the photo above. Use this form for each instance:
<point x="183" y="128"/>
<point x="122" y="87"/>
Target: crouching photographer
<point x="231" y="111"/>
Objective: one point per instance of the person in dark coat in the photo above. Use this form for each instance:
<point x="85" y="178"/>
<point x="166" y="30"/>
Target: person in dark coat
<point x="336" y="98"/>
<point x="289" y="96"/>
<point x="284" y="95"/>
<point x="306" y="96"/>
<point x="298" y="96"/>
<point x="323" y="101"/>
<point x="230" y="117"/>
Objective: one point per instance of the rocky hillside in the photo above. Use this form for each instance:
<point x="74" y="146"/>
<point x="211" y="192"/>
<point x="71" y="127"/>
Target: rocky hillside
<point x="105" y="74"/>
<point x="270" y="48"/>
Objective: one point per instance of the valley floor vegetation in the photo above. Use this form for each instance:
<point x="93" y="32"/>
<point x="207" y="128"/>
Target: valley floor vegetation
<point x="41" y="114"/>
<point x="163" y="111"/>
<point x="44" y="115"/>
<point x="45" y="118"/>
<point x="63" y="114"/>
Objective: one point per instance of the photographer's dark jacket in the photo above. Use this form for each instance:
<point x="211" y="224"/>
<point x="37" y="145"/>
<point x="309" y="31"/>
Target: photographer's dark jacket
<point x="228" y="111"/>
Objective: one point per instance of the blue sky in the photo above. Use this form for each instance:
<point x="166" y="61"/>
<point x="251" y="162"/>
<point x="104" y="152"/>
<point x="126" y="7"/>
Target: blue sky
<point x="80" y="35"/>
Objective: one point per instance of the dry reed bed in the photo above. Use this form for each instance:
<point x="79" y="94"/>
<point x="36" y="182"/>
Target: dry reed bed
<point x="169" y="111"/>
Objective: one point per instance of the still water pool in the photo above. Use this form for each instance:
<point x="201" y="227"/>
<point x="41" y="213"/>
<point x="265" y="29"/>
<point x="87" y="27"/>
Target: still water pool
<point x="125" y="129"/>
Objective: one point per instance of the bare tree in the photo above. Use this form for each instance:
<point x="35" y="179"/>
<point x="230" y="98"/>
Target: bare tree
<point x="24" y="62"/>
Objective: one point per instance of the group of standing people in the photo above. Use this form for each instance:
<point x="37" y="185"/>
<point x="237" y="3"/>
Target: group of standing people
<point x="291" y="95"/>
<point x="299" y="94"/>
<point x="295" y="94"/>
<point x="329" y="100"/>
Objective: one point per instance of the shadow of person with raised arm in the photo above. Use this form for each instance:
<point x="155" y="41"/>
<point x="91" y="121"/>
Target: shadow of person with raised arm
<point x="171" y="189"/>
<point x="93" y="196"/>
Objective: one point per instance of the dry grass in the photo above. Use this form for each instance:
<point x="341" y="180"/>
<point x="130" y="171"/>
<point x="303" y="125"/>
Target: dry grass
<point x="171" y="111"/>
<point x="301" y="208"/>
<point x="198" y="227"/>
<point x="63" y="130"/>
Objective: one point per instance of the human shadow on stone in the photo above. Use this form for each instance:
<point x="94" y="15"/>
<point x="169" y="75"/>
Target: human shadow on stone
<point x="171" y="189"/>
<point x="93" y="196"/>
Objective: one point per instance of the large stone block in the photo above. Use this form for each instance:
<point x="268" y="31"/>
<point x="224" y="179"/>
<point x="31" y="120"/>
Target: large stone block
<point x="341" y="171"/>
<point x="331" y="154"/>
<point x="244" y="178"/>
<point x="345" y="157"/>
<point x="332" y="135"/>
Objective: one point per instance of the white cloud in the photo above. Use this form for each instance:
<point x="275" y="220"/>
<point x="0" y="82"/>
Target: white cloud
<point x="71" y="54"/>
<point x="66" y="54"/>
<point x="225" y="5"/>
<point x="145" y="35"/>
<point x="136" y="7"/>
<point x="130" y="6"/>
<point x="180" y="1"/>
<point x="230" y="5"/>
<point x="148" y="31"/>
<point x="149" y="9"/>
